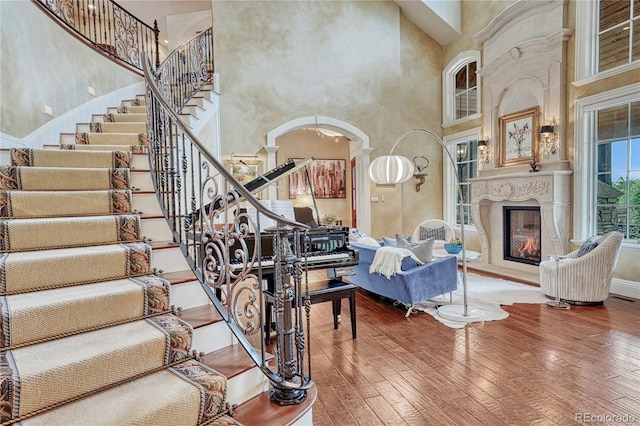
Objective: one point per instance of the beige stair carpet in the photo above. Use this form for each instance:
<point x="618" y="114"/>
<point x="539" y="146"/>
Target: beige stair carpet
<point x="58" y="158"/>
<point x="62" y="179"/>
<point x="188" y="394"/>
<point x="69" y="309"/>
<point x="125" y="139"/>
<point x="83" y="147"/>
<point x="118" y="127"/>
<point x="39" y="377"/>
<point x="63" y="232"/>
<point x="23" y="204"/>
<point x="125" y="118"/>
<point x="124" y="109"/>
<point x="36" y="270"/>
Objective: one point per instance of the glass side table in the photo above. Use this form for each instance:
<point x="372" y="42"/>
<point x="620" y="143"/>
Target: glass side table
<point x="557" y="303"/>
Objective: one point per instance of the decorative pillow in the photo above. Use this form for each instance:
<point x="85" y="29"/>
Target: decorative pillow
<point x="436" y="233"/>
<point x="422" y="249"/>
<point x="355" y="235"/>
<point x="368" y="241"/>
<point x="587" y="246"/>
<point x="389" y="242"/>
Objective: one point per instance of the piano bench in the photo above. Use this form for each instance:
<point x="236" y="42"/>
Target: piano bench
<point x="324" y="291"/>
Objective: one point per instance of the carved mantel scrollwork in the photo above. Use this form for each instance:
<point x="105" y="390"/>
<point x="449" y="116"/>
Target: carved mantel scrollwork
<point x="550" y="190"/>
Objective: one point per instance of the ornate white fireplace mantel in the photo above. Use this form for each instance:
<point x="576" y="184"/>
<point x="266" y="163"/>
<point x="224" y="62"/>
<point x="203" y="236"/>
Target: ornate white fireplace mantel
<point x="551" y="190"/>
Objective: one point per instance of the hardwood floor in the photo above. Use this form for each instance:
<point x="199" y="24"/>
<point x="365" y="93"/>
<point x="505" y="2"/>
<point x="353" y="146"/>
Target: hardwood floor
<point x="540" y="366"/>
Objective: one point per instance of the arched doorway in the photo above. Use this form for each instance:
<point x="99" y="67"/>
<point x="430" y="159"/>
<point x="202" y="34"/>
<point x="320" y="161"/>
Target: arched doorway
<point x="358" y="150"/>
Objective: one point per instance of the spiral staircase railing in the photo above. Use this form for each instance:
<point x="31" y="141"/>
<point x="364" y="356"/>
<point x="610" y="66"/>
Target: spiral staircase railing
<point x="223" y="244"/>
<point x="108" y="27"/>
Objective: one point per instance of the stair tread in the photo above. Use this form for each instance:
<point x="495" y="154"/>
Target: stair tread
<point x="200" y="316"/>
<point x="259" y="410"/>
<point x="230" y="361"/>
<point x="178" y="277"/>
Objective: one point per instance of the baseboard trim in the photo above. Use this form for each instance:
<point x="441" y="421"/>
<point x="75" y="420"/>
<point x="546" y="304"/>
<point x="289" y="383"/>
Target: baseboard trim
<point x="625" y="288"/>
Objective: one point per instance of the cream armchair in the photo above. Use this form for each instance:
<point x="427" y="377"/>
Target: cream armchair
<point x="586" y="279"/>
<point x="439" y="229"/>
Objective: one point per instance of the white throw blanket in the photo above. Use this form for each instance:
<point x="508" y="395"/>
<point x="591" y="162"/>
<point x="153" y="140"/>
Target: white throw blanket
<point x="388" y="260"/>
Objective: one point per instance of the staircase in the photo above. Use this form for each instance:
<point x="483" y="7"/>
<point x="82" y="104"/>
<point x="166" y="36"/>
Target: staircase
<point x="103" y="321"/>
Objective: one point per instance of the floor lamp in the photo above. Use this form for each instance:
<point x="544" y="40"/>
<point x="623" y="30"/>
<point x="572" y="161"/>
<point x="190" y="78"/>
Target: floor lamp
<point x="391" y="169"/>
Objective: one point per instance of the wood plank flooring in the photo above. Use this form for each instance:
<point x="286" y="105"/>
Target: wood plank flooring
<point x="540" y="366"/>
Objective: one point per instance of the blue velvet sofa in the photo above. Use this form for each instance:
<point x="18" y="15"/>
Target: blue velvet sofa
<point x="414" y="284"/>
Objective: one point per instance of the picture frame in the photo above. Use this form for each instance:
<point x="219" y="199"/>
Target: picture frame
<point x="328" y="179"/>
<point x="244" y="171"/>
<point x="519" y="137"/>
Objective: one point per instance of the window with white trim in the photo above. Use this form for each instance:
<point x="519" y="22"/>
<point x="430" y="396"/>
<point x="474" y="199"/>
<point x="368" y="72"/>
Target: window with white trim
<point x="463" y="148"/>
<point x="607" y="164"/>
<point x="618" y="170"/>
<point x="607" y="38"/>
<point x="461" y="88"/>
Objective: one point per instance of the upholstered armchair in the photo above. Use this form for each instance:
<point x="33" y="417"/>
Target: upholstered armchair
<point x="583" y="279"/>
<point x="440" y="230"/>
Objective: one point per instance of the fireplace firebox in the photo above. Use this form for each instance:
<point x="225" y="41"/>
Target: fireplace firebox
<point x="522" y="234"/>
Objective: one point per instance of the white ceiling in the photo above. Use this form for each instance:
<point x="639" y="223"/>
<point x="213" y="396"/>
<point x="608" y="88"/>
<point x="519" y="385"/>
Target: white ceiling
<point x="428" y="15"/>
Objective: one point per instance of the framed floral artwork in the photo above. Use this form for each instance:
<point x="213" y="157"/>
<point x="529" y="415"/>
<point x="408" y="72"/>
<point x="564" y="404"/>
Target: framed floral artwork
<point x="244" y="170"/>
<point x="518" y="137"/>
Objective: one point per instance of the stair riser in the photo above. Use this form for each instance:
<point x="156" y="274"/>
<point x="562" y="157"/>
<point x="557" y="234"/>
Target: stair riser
<point x="145" y="203"/>
<point x="141" y="180"/>
<point x="212" y="337"/>
<point x="246" y="385"/>
<point x="155" y="229"/>
<point x="188" y="295"/>
<point x="168" y="259"/>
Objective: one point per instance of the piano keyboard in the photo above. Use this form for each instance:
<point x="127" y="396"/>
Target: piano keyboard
<point x="312" y="259"/>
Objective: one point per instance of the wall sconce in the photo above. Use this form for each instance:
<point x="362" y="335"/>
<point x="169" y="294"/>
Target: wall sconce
<point x="485" y="151"/>
<point x="550" y="139"/>
<point x="420" y="174"/>
<point x="461" y="152"/>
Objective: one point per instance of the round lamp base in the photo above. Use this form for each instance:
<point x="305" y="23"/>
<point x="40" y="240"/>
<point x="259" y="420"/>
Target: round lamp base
<point x="456" y="313"/>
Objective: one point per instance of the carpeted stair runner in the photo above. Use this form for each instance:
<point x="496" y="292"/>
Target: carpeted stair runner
<point x="32" y="204"/>
<point x="61" y="232"/>
<point x="87" y="330"/>
<point x="62" y="179"/>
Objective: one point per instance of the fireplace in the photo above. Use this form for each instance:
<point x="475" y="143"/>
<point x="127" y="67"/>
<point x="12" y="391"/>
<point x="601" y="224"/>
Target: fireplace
<point x="522" y="234"/>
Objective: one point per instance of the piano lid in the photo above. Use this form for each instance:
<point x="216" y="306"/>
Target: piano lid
<point x="263" y="181"/>
<point x="274" y="175"/>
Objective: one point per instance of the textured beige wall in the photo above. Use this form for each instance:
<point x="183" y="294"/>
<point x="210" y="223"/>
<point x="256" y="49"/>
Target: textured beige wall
<point x="359" y="62"/>
<point x="41" y="63"/>
<point x="181" y="28"/>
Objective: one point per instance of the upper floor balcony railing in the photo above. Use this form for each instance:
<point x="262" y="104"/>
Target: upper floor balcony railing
<point x="108" y="27"/>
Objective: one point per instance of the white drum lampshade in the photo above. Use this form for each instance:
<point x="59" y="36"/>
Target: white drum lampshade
<point x="391" y="169"/>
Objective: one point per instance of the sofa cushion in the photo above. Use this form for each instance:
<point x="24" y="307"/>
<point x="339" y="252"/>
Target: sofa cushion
<point x="436" y="233"/>
<point x="368" y="241"/>
<point x="587" y="246"/>
<point x="355" y="235"/>
<point x="422" y="249"/>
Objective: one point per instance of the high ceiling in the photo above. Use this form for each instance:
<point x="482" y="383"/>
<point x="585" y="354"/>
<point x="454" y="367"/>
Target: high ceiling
<point x="426" y="14"/>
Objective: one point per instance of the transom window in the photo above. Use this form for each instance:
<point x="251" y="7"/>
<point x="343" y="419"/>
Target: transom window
<point x="618" y="170"/>
<point x="619" y="33"/>
<point x="607" y="39"/>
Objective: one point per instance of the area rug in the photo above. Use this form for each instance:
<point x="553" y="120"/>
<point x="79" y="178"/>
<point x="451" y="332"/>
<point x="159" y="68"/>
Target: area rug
<point x="485" y="295"/>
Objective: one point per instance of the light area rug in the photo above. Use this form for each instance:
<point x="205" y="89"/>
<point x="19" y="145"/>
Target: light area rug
<point x="485" y="294"/>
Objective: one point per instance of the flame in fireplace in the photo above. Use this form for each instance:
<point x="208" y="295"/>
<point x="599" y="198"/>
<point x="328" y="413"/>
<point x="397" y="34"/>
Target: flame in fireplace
<point x="530" y="247"/>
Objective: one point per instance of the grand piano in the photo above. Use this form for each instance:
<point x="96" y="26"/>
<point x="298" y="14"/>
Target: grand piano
<point x="323" y="247"/>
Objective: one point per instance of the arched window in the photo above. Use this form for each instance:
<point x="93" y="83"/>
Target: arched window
<point x="461" y="88"/>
